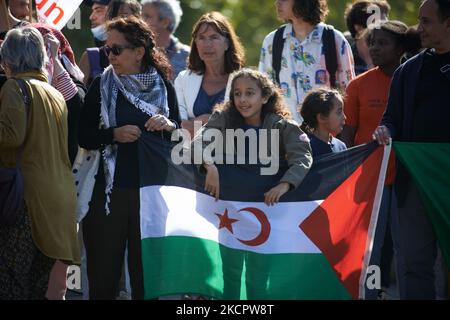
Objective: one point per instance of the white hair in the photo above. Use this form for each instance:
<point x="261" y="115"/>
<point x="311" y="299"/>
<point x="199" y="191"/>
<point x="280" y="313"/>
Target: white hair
<point x="23" y="50"/>
<point x="170" y="9"/>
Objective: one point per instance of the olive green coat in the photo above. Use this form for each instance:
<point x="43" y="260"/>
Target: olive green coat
<point x="49" y="188"/>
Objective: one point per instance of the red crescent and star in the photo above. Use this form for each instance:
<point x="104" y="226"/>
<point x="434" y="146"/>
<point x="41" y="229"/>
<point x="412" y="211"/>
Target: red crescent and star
<point x="227" y="222"/>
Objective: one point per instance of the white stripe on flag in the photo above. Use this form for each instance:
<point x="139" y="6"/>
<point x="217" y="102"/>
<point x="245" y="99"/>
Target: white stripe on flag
<point x="176" y="211"/>
<point x="374" y="218"/>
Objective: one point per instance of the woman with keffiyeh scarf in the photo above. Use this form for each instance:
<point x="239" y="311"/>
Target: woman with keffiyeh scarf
<point x="132" y="95"/>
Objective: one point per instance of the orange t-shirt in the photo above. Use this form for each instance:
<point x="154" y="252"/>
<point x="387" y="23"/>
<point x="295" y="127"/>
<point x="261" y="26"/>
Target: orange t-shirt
<point x="365" y="102"/>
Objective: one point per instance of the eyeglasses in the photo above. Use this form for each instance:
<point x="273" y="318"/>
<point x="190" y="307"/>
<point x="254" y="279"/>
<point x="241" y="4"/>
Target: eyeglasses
<point x="115" y="49"/>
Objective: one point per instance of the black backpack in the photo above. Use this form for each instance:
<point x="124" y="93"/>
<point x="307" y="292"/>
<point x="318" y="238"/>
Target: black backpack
<point x="329" y="48"/>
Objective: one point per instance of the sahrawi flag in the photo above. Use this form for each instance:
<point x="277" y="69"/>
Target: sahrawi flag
<point x="56" y="13"/>
<point x="314" y="244"/>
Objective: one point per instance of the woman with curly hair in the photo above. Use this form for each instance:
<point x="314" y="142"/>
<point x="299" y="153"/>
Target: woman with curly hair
<point x="132" y="95"/>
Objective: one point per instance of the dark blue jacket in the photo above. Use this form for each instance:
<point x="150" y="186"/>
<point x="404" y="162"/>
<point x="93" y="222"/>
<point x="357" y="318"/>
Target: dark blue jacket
<point x="398" y="117"/>
<point x="399" y="114"/>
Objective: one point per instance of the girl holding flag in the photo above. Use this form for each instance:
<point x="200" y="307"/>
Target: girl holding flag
<point x="256" y="103"/>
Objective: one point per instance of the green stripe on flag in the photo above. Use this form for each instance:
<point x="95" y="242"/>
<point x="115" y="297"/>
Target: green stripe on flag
<point x="174" y="265"/>
<point x="429" y="165"/>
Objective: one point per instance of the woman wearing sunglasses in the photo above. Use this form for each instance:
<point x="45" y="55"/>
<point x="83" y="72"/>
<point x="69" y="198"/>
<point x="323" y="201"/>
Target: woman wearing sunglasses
<point x="133" y="95"/>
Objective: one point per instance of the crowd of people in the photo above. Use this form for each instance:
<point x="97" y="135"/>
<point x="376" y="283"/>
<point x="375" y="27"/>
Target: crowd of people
<point x="73" y="131"/>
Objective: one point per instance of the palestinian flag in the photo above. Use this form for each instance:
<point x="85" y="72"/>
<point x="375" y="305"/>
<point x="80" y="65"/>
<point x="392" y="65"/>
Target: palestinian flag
<point x="429" y="166"/>
<point x="314" y="244"/>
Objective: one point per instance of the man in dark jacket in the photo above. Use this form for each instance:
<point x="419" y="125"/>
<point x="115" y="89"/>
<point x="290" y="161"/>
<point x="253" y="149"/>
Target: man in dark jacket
<point x="419" y="111"/>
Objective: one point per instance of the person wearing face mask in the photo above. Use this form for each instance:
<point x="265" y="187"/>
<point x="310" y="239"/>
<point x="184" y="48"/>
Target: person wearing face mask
<point x="94" y="60"/>
<point x="98" y="20"/>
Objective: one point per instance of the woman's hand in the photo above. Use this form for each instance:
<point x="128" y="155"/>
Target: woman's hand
<point x="126" y="134"/>
<point x="189" y="125"/>
<point x="212" y="185"/>
<point x="158" y="123"/>
<point x="272" y="196"/>
<point x="53" y="45"/>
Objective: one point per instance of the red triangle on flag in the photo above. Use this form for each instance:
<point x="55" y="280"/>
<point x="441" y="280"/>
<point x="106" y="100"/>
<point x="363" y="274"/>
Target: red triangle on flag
<point x="339" y="227"/>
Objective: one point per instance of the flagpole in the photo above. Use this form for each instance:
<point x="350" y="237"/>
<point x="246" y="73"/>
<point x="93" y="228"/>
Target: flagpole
<point x="31" y="11"/>
<point x="4" y="17"/>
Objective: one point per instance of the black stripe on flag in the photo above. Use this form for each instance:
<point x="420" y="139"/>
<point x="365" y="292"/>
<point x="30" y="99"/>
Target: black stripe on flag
<point x="244" y="182"/>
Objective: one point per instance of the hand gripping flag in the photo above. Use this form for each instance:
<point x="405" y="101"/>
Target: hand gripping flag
<point x="314" y="244"/>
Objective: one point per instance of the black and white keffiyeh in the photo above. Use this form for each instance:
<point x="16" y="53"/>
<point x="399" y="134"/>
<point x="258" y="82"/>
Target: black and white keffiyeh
<point x="145" y="91"/>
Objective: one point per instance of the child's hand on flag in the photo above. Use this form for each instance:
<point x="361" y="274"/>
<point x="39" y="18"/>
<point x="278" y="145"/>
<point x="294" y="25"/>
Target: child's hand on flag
<point x="212" y="185"/>
<point x="272" y="196"/>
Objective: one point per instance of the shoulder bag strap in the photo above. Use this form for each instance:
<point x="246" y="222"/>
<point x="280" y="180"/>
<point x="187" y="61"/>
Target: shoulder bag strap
<point x="27" y="100"/>
<point x="277" y="52"/>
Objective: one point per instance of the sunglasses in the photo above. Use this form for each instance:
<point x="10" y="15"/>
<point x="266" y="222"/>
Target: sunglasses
<point x="115" y="49"/>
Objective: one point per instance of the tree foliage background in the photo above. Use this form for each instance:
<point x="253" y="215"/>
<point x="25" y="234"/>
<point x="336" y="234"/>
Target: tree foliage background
<point x="253" y="20"/>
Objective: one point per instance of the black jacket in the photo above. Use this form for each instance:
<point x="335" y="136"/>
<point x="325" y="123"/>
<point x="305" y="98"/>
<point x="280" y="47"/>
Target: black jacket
<point x="92" y="138"/>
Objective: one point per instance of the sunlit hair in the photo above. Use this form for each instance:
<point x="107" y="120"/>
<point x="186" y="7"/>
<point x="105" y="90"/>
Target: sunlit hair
<point x="406" y="38"/>
<point x="234" y="56"/>
<point x="318" y="101"/>
<point x="170" y="9"/>
<point x="311" y="11"/>
<point x="23" y="50"/>
<point x="138" y="34"/>
<point x="275" y="103"/>
<point x="115" y="5"/>
<point x="444" y="9"/>
<point x="357" y="13"/>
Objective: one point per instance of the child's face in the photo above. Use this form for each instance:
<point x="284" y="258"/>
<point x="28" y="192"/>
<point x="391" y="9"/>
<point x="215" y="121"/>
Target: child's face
<point x="248" y="99"/>
<point x="335" y="121"/>
<point x="383" y="49"/>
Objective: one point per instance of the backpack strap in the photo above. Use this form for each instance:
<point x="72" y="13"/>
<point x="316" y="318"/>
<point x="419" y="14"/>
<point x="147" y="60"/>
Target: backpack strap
<point x="329" y="49"/>
<point x="277" y="51"/>
<point x="94" y="62"/>
<point x="27" y="100"/>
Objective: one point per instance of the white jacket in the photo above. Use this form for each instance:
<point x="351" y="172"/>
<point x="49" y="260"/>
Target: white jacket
<point x="187" y="86"/>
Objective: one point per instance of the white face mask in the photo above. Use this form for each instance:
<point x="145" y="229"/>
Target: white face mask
<point x="99" y="32"/>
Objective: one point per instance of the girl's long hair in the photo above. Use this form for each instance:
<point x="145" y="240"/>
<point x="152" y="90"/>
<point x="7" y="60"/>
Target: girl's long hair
<point x="275" y="103"/>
